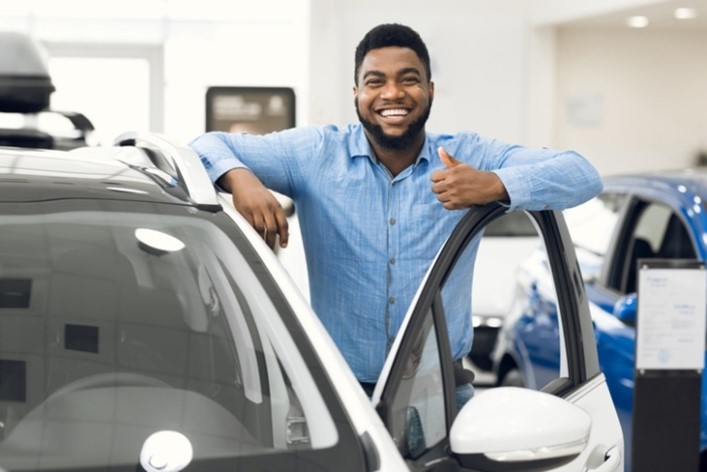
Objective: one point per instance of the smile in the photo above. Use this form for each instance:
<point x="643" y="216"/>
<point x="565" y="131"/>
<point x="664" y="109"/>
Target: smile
<point x="394" y="112"/>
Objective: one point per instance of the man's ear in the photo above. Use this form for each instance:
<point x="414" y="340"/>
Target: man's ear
<point x="431" y="86"/>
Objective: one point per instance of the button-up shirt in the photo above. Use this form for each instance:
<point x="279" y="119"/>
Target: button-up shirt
<point x="369" y="237"/>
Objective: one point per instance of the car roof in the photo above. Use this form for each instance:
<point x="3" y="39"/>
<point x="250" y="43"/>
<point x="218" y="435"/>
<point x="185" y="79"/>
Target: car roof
<point x="40" y="175"/>
<point x="694" y="180"/>
<point x="113" y="172"/>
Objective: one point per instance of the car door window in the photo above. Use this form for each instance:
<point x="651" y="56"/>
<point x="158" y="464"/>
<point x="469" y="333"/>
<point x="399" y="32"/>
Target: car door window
<point x="529" y="296"/>
<point x="656" y="232"/>
<point x="417" y="394"/>
<point x="417" y="419"/>
<point x="533" y="320"/>
<point x="592" y="226"/>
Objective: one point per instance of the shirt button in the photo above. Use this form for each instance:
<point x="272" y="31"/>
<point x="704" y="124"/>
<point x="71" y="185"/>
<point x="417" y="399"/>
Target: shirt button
<point x="392" y="221"/>
<point x="391" y="300"/>
<point x="392" y="261"/>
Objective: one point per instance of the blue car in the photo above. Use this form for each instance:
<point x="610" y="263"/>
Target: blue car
<point x="639" y="216"/>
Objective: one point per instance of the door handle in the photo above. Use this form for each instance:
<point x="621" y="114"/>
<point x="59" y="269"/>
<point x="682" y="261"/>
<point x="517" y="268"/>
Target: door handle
<point x="612" y="461"/>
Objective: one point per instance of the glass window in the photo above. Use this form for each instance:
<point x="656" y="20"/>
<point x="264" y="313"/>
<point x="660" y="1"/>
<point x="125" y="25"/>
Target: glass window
<point x="117" y="324"/>
<point x="418" y="409"/>
<point x="658" y="233"/>
<point x="591" y="226"/>
<point x="529" y="349"/>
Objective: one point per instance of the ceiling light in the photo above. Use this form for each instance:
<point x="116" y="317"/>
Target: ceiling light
<point x="685" y="13"/>
<point x="637" y="21"/>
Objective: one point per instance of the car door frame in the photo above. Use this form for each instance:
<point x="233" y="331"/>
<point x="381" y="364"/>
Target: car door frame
<point x="582" y="362"/>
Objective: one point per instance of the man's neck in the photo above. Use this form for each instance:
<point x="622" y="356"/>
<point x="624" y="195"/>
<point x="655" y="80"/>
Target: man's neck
<point x="397" y="160"/>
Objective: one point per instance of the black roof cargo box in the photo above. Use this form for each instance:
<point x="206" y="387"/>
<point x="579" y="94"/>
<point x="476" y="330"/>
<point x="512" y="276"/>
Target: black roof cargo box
<point x="25" y="84"/>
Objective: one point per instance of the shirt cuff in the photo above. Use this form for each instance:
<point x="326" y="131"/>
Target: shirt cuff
<point x="517" y="185"/>
<point x="221" y="167"/>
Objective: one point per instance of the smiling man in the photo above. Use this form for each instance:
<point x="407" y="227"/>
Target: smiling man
<point x="376" y="200"/>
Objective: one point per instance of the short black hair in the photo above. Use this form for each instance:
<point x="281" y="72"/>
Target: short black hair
<point x="392" y="34"/>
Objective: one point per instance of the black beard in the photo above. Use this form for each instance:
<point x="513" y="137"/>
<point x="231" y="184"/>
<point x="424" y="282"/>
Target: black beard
<point x="395" y="142"/>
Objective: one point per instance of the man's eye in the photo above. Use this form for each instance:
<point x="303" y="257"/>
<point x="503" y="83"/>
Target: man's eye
<point x="374" y="82"/>
<point x="410" y="80"/>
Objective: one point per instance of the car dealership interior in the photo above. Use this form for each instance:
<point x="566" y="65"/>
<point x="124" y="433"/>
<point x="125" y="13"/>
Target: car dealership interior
<point x="593" y="318"/>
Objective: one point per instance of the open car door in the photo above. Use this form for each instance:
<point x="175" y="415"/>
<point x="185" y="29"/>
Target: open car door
<point x="570" y="425"/>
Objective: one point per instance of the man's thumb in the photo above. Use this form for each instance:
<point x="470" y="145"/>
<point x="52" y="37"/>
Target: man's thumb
<point x="446" y="159"/>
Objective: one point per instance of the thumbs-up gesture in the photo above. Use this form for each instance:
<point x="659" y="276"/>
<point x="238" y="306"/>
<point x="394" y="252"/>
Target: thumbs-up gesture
<point x="459" y="185"/>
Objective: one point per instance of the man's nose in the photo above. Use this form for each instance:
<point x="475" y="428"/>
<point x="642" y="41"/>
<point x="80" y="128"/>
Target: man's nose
<point x="392" y="90"/>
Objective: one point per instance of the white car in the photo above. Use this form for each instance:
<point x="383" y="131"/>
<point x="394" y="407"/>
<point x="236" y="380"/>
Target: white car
<point x="144" y="325"/>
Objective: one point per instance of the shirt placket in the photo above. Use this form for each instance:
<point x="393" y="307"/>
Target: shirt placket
<point x="392" y="252"/>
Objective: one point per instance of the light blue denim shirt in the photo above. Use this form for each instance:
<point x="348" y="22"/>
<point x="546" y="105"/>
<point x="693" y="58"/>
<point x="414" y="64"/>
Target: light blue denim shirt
<point x="369" y="237"/>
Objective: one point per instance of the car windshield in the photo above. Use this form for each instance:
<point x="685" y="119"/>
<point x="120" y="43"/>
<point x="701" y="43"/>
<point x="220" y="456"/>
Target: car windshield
<point x="122" y="323"/>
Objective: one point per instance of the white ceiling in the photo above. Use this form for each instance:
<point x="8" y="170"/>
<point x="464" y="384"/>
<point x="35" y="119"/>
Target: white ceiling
<point x="660" y="16"/>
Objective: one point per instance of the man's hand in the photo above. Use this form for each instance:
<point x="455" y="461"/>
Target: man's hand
<point x="459" y="185"/>
<point x="257" y="205"/>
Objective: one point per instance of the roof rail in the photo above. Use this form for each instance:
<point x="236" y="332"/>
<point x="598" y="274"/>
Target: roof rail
<point x="190" y="172"/>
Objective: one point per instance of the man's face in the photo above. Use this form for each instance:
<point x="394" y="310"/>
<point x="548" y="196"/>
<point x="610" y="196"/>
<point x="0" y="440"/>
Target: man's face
<point x="393" y="96"/>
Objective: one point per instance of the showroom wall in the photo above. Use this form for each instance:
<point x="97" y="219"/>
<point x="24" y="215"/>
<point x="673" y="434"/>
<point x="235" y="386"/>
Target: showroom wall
<point x="628" y="99"/>
<point x="478" y="52"/>
<point x="632" y="99"/>
<point x="245" y="43"/>
<point x="478" y="48"/>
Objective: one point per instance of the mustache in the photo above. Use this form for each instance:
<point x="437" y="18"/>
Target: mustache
<point x="394" y="142"/>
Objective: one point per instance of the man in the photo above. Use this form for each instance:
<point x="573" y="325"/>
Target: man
<point x="376" y="200"/>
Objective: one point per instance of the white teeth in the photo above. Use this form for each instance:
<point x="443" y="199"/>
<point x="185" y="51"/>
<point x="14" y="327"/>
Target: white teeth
<point x="394" y="112"/>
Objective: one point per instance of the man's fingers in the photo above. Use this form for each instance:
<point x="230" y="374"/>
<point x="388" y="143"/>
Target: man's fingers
<point x="447" y="160"/>
<point x="282" y="228"/>
<point x="275" y="225"/>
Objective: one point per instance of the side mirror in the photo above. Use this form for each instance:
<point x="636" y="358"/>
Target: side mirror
<point x="625" y="309"/>
<point x="521" y="428"/>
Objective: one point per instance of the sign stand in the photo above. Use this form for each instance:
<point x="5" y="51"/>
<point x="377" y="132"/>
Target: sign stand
<point x="670" y="352"/>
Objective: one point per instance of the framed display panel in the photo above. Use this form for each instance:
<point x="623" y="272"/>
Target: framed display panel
<point x="670" y="350"/>
<point x="257" y="110"/>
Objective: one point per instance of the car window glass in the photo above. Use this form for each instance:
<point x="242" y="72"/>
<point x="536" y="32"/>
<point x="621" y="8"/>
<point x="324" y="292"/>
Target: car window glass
<point x="505" y="242"/>
<point x="591" y="226"/>
<point x="652" y="224"/>
<point x="418" y="407"/>
<point x="658" y="233"/>
<point x="531" y="320"/>
<point x="149" y="316"/>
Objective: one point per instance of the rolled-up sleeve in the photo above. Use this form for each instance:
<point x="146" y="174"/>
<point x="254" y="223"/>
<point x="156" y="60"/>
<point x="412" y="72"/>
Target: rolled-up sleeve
<point x="216" y="154"/>
<point x="549" y="180"/>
